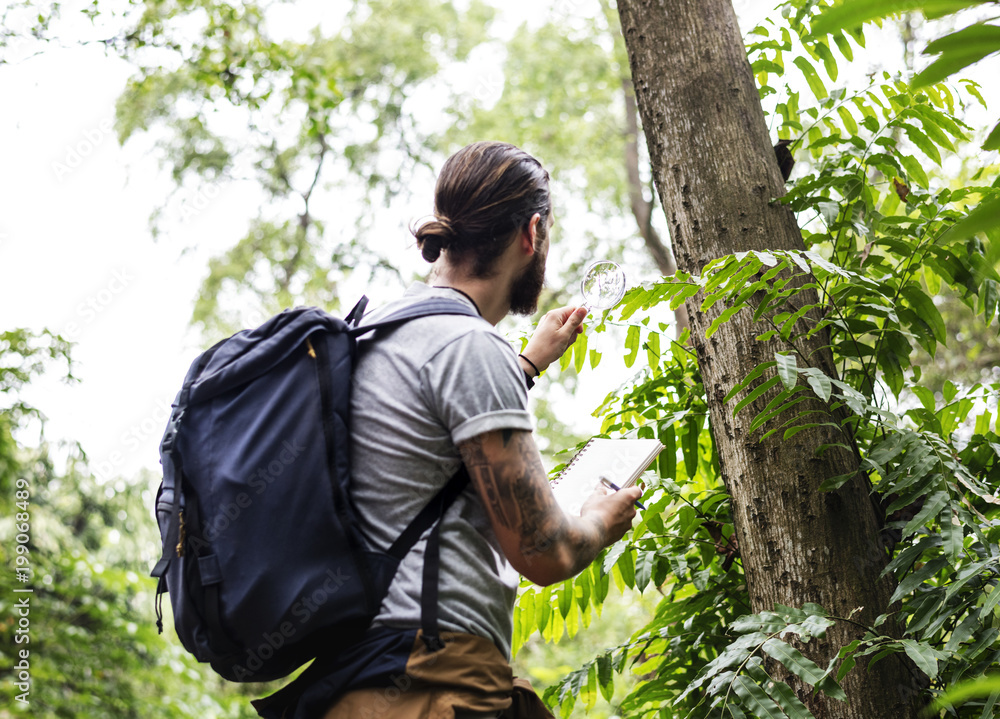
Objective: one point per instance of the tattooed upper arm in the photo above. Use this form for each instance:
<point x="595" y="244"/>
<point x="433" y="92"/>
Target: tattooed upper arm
<point x="507" y="471"/>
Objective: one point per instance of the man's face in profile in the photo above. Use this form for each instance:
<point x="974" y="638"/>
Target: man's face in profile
<point x="527" y="288"/>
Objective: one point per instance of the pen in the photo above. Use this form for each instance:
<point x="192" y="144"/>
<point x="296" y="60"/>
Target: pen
<point x="607" y="482"/>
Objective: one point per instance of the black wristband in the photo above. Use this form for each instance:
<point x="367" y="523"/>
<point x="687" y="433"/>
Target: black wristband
<point x="533" y="365"/>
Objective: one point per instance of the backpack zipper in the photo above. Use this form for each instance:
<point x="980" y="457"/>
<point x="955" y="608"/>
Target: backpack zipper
<point x="181" y="535"/>
<point x="312" y="352"/>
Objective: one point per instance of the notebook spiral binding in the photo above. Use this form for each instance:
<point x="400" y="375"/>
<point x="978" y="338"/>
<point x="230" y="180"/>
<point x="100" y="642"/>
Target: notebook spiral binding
<point x="565" y="470"/>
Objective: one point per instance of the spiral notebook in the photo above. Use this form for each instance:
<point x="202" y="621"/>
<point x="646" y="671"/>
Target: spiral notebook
<point x="620" y="461"/>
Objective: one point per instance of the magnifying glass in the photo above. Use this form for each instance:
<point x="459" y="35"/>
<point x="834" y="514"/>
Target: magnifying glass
<point x="603" y="285"/>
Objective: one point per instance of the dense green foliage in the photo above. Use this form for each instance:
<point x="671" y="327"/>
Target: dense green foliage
<point x="955" y="51"/>
<point x="75" y="546"/>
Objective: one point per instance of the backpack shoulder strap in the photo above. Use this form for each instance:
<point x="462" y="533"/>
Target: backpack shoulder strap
<point x="425" y="308"/>
<point x="433" y="511"/>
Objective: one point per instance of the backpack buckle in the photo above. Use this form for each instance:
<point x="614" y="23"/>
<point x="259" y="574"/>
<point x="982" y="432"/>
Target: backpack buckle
<point x="432" y="642"/>
<point x="170" y="436"/>
<point x="354" y="316"/>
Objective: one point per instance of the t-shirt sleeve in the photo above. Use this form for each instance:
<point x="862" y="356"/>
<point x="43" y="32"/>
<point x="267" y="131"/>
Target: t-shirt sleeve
<point x="475" y="385"/>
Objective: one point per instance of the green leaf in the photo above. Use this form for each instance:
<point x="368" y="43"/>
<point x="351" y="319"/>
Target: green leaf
<point x="958" y="50"/>
<point x="589" y="690"/>
<point x="565" y="597"/>
<point x="632" y="345"/>
<point x="755" y="394"/>
<point x="848" y="119"/>
<point x="833" y="483"/>
<point x="953" y="536"/>
<point x="914" y="580"/>
<point x="722" y="318"/>
<point x="812" y="77"/>
<point x="792" y="431"/>
<point x="888" y="448"/>
<point x="930" y="120"/>
<point x="985" y="218"/>
<point x="926" y="398"/>
<point x="914" y="171"/>
<point x="902" y="561"/>
<point x="786" y="699"/>
<point x="989" y="299"/>
<point x="949" y="390"/>
<point x="689" y="445"/>
<point x="787" y="369"/>
<point x="985" y="686"/>
<point x="735" y="711"/>
<point x="763" y="622"/>
<point x="644" y="569"/>
<point x="794" y="661"/>
<point x="667" y="459"/>
<point x="829" y="62"/>
<point x="595" y="358"/>
<point x="979" y="35"/>
<point x="921" y="140"/>
<point x="993" y="139"/>
<point x="992" y="601"/>
<point x="653" y="349"/>
<point x="854" y="13"/>
<point x="626" y="566"/>
<point x="923" y="655"/>
<point x="927" y="311"/>
<point x="580" y="352"/>
<point x="892" y="369"/>
<point x="932" y="507"/>
<point x="543" y="609"/>
<point x="759" y="703"/>
<point x="777" y="406"/>
<point x="718" y="271"/>
<point x="964" y="631"/>
<point x="757" y="372"/>
<point x="605" y="677"/>
<point x="846" y="666"/>
<point x="789" y="324"/>
<point x="819" y="382"/>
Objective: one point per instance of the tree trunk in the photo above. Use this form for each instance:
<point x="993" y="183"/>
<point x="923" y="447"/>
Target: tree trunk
<point x="716" y="174"/>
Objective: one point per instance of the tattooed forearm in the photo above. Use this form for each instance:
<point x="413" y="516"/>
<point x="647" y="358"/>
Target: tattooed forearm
<point x="510" y="478"/>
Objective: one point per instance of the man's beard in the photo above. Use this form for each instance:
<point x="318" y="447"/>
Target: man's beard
<point x="527" y="288"/>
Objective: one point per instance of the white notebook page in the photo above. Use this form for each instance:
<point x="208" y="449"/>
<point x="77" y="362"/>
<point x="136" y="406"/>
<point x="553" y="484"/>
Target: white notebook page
<point x="621" y="461"/>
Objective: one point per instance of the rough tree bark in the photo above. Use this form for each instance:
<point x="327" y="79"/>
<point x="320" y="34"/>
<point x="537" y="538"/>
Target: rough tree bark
<point x="716" y="175"/>
<point x="642" y="209"/>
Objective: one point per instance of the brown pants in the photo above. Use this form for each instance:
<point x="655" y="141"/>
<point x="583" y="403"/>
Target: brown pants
<point x="468" y="678"/>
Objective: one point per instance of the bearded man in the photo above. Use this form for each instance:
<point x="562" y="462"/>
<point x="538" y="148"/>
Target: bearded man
<point x="444" y="392"/>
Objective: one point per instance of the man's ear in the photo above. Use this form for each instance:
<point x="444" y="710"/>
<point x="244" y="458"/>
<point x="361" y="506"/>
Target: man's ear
<point x="529" y="237"/>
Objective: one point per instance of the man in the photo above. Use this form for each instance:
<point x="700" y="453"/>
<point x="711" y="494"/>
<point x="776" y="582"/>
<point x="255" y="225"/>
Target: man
<point x="444" y="390"/>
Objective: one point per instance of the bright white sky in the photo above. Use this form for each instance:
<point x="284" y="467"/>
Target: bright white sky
<point x="76" y="254"/>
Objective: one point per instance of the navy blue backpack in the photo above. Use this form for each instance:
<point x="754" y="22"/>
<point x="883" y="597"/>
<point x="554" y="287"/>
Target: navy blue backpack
<point x="263" y="558"/>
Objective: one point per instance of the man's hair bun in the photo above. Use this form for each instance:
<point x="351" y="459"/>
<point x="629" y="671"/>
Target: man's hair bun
<point x="434" y="236"/>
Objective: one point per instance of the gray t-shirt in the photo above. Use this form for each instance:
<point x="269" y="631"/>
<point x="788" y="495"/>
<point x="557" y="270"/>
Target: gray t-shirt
<point x="418" y="391"/>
